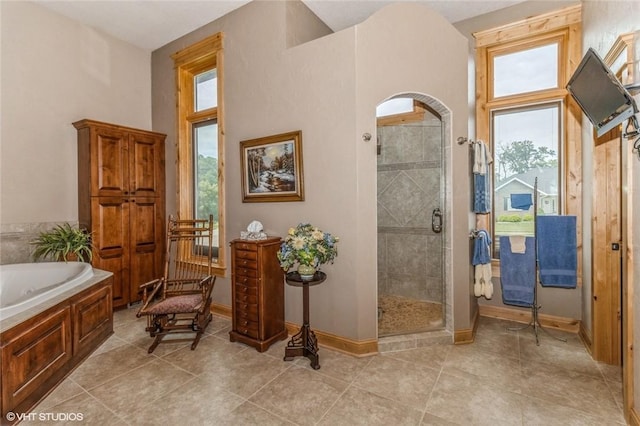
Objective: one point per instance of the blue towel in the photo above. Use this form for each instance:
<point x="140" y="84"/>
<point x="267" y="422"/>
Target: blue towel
<point x="557" y="251"/>
<point x="521" y="201"/>
<point x="518" y="273"/>
<point x="481" y="249"/>
<point x="481" y="193"/>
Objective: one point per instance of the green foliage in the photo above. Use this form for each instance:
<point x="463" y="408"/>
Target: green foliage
<point x="527" y="217"/>
<point x="510" y="218"/>
<point x="207" y="188"/>
<point x="521" y="156"/>
<point x="61" y="241"/>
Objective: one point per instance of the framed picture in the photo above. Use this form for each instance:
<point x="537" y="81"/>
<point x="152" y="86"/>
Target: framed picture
<point x="272" y="168"/>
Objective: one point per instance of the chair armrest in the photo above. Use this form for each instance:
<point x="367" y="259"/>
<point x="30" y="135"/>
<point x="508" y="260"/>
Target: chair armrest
<point x="147" y="298"/>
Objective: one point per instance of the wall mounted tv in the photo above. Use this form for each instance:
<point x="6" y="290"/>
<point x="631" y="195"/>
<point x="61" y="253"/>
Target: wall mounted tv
<point x="600" y="95"/>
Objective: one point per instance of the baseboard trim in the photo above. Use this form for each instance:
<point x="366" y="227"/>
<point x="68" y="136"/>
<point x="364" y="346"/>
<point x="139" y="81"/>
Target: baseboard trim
<point x="586" y="338"/>
<point x="222" y="310"/>
<point x="570" y="325"/>
<point x="466" y="335"/>
<point x="358" y="348"/>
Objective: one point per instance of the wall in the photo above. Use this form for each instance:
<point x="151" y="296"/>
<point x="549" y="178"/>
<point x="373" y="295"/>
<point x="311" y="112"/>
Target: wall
<point x="56" y="71"/>
<point x="328" y="88"/>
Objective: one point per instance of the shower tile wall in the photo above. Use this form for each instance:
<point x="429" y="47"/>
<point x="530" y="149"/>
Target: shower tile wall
<point x="410" y="259"/>
<point x="15" y="240"/>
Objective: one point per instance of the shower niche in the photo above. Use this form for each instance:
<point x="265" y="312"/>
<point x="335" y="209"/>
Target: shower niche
<point x="412" y="291"/>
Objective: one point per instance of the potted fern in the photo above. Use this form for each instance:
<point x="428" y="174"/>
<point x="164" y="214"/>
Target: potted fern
<point x="63" y="242"/>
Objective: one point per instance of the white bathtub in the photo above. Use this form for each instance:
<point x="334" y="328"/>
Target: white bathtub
<point x="25" y="285"/>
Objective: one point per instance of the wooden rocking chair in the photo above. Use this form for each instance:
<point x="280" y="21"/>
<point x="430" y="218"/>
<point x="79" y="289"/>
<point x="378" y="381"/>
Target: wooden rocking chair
<point x="180" y="301"/>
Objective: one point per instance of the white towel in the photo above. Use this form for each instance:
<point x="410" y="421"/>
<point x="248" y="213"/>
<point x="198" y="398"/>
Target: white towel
<point x="481" y="158"/>
<point x="482" y="284"/>
<point x="518" y="244"/>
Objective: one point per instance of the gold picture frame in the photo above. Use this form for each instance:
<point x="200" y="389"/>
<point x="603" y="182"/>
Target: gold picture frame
<point x="272" y="168"/>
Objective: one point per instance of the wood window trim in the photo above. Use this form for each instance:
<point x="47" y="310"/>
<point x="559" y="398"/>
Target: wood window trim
<point x="189" y="62"/>
<point x="566" y="24"/>
<point x="415" y="116"/>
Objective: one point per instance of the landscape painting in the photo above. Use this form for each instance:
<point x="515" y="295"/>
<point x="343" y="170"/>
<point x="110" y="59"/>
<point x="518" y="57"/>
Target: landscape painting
<point x="272" y="168"/>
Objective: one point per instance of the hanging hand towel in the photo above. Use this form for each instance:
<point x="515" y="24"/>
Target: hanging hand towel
<point x="481" y="249"/>
<point x="482" y="285"/>
<point x="481" y="193"/>
<point x="517" y="273"/>
<point x="557" y="251"/>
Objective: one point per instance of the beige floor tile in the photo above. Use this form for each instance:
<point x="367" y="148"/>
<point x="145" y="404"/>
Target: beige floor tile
<point x="245" y="373"/>
<point x="82" y="409"/>
<point x="66" y="390"/>
<point x="336" y="364"/>
<point x="107" y="365"/>
<point x="493" y="369"/>
<point x="566" y="356"/>
<point x="431" y="420"/>
<point x="359" y="407"/>
<point x="139" y="387"/>
<point x="431" y="356"/>
<point x="197" y="402"/>
<point x="111" y="343"/>
<point x="209" y="351"/>
<point x="469" y="401"/>
<point x="502" y="344"/>
<point x="565" y="387"/>
<point x="250" y="414"/>
<point x="538" y="412"/>
<point x="300" y="395"/>
<point x="401" y="381"/>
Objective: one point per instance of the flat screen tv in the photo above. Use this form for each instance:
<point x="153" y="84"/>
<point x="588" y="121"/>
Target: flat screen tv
<point x="600" y="95"/>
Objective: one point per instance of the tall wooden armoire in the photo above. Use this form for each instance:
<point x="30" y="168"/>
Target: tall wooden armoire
<point x="121" y="201"/>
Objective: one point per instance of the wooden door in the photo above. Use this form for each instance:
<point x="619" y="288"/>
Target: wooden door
<point x="607" y="249"/>
<point x="111" y="242"/>
<point x="109" y="162"/>
<point x="146" y="242"/>
<point x="146" y="164"/>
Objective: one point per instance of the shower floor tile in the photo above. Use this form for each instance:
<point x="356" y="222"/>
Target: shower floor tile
<point x="402" y="315"/>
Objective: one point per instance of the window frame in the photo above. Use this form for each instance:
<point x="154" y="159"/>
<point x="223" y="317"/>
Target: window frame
<point x="188" y="63"/>
<point x="564" y="27"/>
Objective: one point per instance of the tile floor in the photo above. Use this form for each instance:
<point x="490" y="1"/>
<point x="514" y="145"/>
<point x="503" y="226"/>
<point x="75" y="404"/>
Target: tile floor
<point x="501" y="379"/>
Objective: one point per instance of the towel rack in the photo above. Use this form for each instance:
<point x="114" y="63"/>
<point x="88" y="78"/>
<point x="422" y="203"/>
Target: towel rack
<point x="535" y="308"/>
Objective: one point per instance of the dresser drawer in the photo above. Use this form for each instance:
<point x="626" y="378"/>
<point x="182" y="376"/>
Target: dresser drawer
<point x="246" y="246"/>
<point x="251" y="329"/>
<point x="246" y="272"/>
<point x="244" y="289"/>
<point x="246" y="309"/>
<point x="247" y="281"/>
<point x="246" y="264"/>
<point x="243" y="254"/>
<point x="247" y="298"/>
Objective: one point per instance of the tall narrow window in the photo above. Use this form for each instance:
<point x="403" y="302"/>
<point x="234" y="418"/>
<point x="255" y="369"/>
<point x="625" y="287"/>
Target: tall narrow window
<point x="522" y="111"/>
<point x="200" y="139"/>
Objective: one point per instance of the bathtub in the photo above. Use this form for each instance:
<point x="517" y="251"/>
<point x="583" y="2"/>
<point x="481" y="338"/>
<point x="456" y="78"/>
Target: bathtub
<point x="25" y="285"/>
<point x="52" y="317"/>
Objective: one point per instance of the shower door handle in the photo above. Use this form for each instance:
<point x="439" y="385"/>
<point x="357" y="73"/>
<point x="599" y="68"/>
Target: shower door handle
<point x="436" y="221"/>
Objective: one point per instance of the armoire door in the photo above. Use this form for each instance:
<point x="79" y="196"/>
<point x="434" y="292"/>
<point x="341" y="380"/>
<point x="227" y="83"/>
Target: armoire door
<point x="146" y="242"/>
<point x="109" y="159"/>
<point x="110" y="242"/>
<point x="146" y="165"/>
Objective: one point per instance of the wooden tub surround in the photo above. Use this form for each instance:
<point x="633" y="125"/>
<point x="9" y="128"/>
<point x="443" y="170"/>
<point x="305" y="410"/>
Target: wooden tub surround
<point x="39" y="351"/>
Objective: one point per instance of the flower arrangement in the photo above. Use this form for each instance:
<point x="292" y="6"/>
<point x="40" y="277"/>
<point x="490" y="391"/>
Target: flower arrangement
<point x="307" y="245"/>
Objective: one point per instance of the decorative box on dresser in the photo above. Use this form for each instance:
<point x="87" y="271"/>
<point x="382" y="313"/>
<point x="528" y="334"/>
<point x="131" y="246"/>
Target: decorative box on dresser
<point x="121" y="201"/>
<point x="257" y="282"/>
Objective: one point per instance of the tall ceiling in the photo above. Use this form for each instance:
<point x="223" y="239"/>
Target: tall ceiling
<point x="151" y="24"/>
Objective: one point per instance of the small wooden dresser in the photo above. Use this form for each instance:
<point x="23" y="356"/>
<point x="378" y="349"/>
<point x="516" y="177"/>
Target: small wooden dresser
<point x="257" y="293"/>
